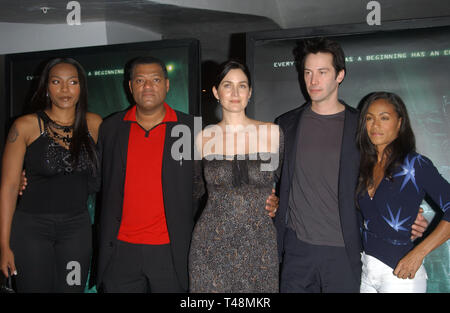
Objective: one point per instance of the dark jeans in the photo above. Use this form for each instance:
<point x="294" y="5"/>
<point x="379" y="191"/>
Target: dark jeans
<point x="52" y="252"/>
<point x="308" y="268"/>
<point x="141" y="268"/>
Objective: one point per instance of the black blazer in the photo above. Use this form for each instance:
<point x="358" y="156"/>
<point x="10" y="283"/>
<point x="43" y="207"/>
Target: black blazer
<point x="177" y="183"/>
<point x="348" y="174"/>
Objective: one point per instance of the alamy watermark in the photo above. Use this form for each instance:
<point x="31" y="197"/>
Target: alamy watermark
<point x="243" y="142"/>
<point x="73" y="278"/>
<point x="74" y="16"/>
<point x="374" y="16"/>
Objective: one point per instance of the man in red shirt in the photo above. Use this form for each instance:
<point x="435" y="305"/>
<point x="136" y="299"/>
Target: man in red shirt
<point x="147" y="206"/>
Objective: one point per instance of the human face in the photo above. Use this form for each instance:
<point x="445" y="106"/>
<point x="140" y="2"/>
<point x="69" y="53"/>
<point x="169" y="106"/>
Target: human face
<point x="320" y="77"/>
<point x="149" y="87"/>
<point x="233" y="91"/>
<point x="63" y="86"/>
<point x="382" y="123"/>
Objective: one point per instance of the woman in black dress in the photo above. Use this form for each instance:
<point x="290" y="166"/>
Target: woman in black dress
<point x="45" y="237"/>
<point x="234" y="246"/>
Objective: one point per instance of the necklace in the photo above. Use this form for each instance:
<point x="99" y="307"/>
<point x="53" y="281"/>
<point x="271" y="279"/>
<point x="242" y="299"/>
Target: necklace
<point x="53" y="128"/>
<point x="65" y="129"/>
<point x="66" y="139"/>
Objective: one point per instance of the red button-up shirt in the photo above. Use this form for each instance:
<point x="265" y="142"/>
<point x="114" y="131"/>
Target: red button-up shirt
<point x="143" y="217"/>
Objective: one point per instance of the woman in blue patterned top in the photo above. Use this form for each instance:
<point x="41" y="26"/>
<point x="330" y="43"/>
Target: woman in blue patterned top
<point x="393" y="181"/>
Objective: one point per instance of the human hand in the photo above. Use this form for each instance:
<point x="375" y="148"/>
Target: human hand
<point x="23" y="183"/>
<point x="408" y="265"/>
<point x="272" y="204"/>
<point x="419" y="226"/>
<point x="7" y="261"/>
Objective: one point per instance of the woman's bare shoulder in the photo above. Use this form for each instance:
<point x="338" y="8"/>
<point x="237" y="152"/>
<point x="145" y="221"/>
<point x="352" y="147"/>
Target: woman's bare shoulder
<point x="27" y="127"/>
<point x="256" y="122"/>
<point x="93" y="122"/>
<point x="27" y="123"/>
<point x="26" y="120"/>
<point x="93" y="118"/>
<point x="268" y="125"/>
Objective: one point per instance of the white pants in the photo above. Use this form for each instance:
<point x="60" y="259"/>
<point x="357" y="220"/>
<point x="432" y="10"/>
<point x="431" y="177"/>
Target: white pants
<point x="378" y="277"/>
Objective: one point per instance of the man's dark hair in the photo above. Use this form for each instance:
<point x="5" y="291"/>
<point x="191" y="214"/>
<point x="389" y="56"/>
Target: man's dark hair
<point x="323" y="45"/>
<point x="146" y="60"/>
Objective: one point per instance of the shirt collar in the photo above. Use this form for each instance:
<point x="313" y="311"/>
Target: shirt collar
<point x="170" y="116"/>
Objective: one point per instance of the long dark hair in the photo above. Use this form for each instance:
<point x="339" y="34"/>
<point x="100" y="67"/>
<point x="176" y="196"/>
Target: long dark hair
<point x="394" y="153"/>
<point x="41" y="101"/>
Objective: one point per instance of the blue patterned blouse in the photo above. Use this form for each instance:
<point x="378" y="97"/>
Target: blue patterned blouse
<point x="389" y="215"/>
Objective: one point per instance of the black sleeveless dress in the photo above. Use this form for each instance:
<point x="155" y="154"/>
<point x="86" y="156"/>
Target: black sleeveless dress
<point x="54" y="185"/>
<point x="234" y="245"/>
<point x="51" y="231"/>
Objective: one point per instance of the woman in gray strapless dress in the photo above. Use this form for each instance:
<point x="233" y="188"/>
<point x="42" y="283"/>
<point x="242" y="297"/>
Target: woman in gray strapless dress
<point x="234" y="246"/>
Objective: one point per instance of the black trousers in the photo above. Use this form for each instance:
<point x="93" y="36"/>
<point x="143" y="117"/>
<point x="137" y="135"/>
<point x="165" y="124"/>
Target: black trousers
<point x="52" y="252"/>
<point x="308" y="268"/>
<point x="141" y="268"/>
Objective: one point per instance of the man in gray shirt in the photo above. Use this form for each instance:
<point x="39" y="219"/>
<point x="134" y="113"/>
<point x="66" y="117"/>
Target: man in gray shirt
<point x="315" y="180"/>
